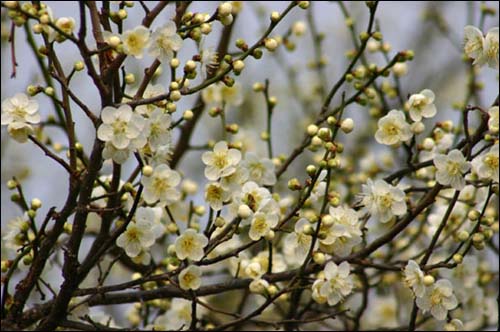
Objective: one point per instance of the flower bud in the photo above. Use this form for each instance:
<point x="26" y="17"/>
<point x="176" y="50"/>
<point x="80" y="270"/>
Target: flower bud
<point x="244" y="211"/>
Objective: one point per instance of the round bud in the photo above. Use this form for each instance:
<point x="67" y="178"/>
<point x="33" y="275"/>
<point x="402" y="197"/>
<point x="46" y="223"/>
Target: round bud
<point x="258" y="87"/>
<point x="190" y="66"/>
<point x="174" y="63"/>
<point x="49" y="91"/>
<point x="244" y="211"/>
<point x="79" y="66"/>
<point x="428" y="144"/>
<point x="272" y="290"/>
<point x="270" y="235"/>
<point x="11" y="184"/>
<point x="188" y="115"/>
<point x="417" y="127"/>
<point x="429" y="280"/>
<point x="463" y="235"/>
<point x="206" y="28"/>
<point x="347" y="125"/>
<point x="11" y="4"/>
<point x="130" y="78"/>
<point x="304" y="4"/>
<point x="271" y="44"/>
<point x="122" y="14"/>
<point x="327" y="220"/>
<point x="316" y="141"/>
<point x="312" y="130"/>
<point x="27" y="260"/>
<point x="319" y="258"/>
<point x="325" y="134"/>
<point x="36" y="203"/>
<point x="275" y="16"/>
<point x="147" y="170"/>
<point x="457" y="258"/>
<point x="308" y="230"/>
<point x="294" y="184"/>
<point x="473" y="215"/>
<point x="238" y="66"/>
<point x="172" y="228"/>
<point x="477" y="238"/>
<point x="219" y="222"/>
<point x="175" y="95"/>
<point x="311" y="170"/>
<point x="225" y="9"/>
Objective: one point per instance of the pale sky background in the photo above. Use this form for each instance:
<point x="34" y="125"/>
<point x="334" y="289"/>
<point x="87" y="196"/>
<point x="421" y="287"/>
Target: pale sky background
<point x="437" y="66"/>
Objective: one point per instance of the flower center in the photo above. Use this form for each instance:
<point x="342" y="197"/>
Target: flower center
<point x="119" y="127"/>
<point x="391" y="129"/>
<point x="19" y="112"/>
<point x="385" y="200"/>
<point x="453" y="168"/>
<point x="436" y="297"/>
<point x="220" y="160"/>
<point x="160" y="184"/>
<point x="491" y="161"/>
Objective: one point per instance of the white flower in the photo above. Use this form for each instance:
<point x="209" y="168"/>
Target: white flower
<point x="119" y="156"/>
<point x="484" y="50"/>
<point x="121" y="127"/>
<point x="256" y="198"/>
<point x="177" y="317"/>
<point x="343" y="234"/>
<point x="164" y="42"/>
<point x="235" y="181"/>
<point x="493" y="122"/>
<point x="66" y="25"/>
<point x="486" y="165"/>
<point x="258" y="286"/>
<point x="261" y="224"/>
<point x="153" y="90"/>
<point x="190" y="277"/>
<point x="260" y="171"/>
<point x="422" y="105"/>
<point x="316" y="294"/>
<point x="451" y="169"/>
<point x="438" y="299"/>
<point x="383" y="201"/>
<point x="338" y="282"/>
<point x="18" y="113"/>
<point x="218" y="94"/>
<point x="221" y="162"/>
<point x="161" y="185"/>
<point x="135" y="41"/>
<point x="296" y="244"/>
<point x="18" y="233"/>
<point x="254" y="270"/>
<point x="141" y="234"/>
<point x="216" y="195"/>
<point x="190" y="245"/>
<point x="414" y="278"/>
<point x="159" y="129"/>
<point x="393" y="129"/>
<point x="473" y="42"/>
<point x="490" y="53"/>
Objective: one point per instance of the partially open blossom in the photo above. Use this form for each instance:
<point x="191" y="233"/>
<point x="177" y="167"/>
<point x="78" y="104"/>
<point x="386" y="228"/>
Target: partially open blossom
<point x="451" y="169"/>
<point x="190" y="245"/>
<point x="338" y="283"/>
<point x="190" y="277"/>
<point x="135" y="41"/>
<point x="414" y="278"/>
<point x="486" y="165"/>
<point x="393" y="129"/>
<point x="161" y="185"/>
<point x="383" y="201"/>
<point x="164" y="42"/>
<point x="438" y="299"/>
<point x="422" y="105"/>
<point x="221" y="162"/>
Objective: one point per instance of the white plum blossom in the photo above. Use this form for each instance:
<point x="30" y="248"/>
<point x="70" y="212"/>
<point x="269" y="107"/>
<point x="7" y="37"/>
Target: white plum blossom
<point x="161" y="185"/>
<point x="338" y="283"/>
<point x="343" y="234"/>
<point x="18" y="234"/>
<point x="159" y="129"/>
<point x="414" y="278"/>
<point x="177" y="317"/>
<point x="19" y="113"/>
<point x="486" y="165"/>
<point x="493" y="121"/>
<point x="256" y="198"/>
<point x="190" y="277"/>
<point x="219" y="94"/>
<point x="258" y="286"/>
<point x="141" y="234"/>
<point x="451" y="169"/>
<point x="190" y="245"/>
<point x="438" y="299"/>
<point x="422" y="105"/>
<point x="221" y="162"/>
<point x="216" y="195"/>
<point x="296" y="244"/>
<point x="122" y="127"/>
<point x="393" y="129"/>
<point x="261" y="170"/>
<point x="484" y="50"/>
<point x="261" y="224"/>
<point x="153" y="90"/>
<point x="383" y="200"/>
<point x="235" y="181"/>
<point x="135" y="41"/>
<point x="164" y="42"/>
